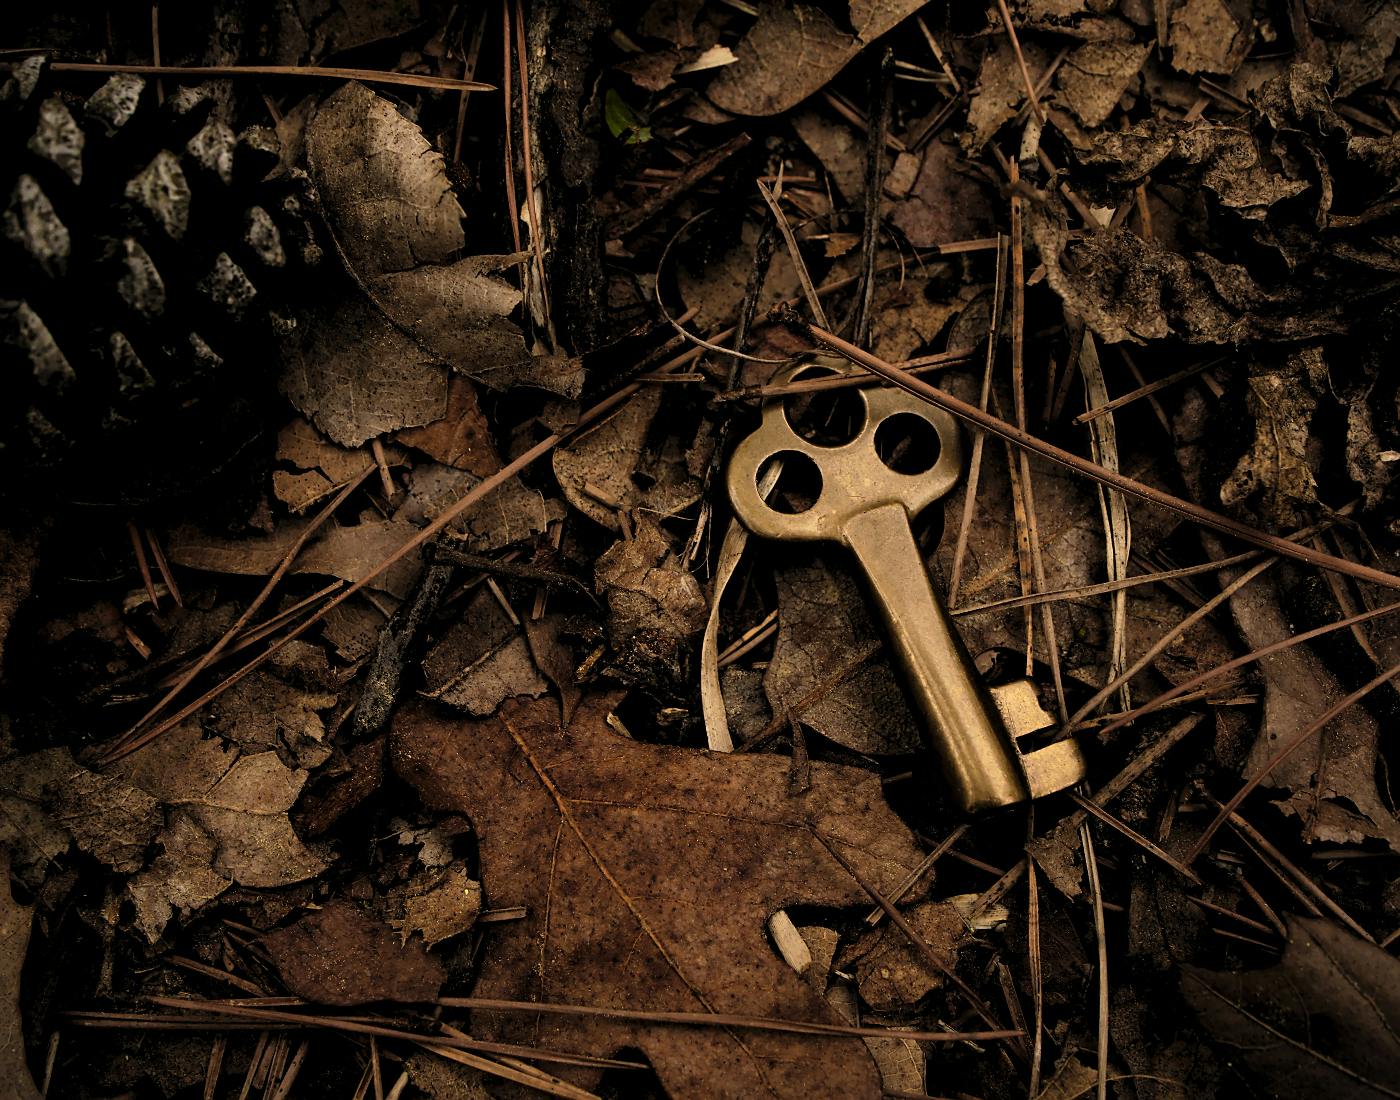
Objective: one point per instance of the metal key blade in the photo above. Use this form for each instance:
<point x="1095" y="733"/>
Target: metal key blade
<point x="963" y="728"/>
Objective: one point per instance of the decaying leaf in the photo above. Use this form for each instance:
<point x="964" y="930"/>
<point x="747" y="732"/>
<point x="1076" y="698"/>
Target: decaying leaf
<point x="1277" y="469"/>
<point x="1322" y="1021"/>
<point x="481" y="661"/>
<point x="824" y="625"/>
<point x="794" y="49"/>
<point x="647" y="589"/>
<point x="1211" y="36"/>
<point x="605" y="841"/>
<point x="261" y="712"/>
<point x="350" y="552"/>
<point x="712" y="288"/>
<point x="15" y="921"/>
<point x="611" y="467"/>
<point x="182" y="877"/>
<point x="511" y="514"/>
<point x="1094" y="77"/>
<point x="48" y="798"/>
<point x="999" y="91"/>
<point x="838" y="147"/>
<point x="439" y="904"/>
<point x="338" y="955"/>
<point x="239" y="800"/>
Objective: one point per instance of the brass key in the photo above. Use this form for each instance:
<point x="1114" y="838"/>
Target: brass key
<point x="867" y="505"/>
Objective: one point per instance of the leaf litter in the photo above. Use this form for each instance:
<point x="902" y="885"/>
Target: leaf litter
<point x="1187" y="241"/>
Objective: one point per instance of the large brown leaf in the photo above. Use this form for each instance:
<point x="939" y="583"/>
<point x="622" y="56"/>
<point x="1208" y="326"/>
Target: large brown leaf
<point x="1321" y="1022"/>
<point x="648" y="874"/>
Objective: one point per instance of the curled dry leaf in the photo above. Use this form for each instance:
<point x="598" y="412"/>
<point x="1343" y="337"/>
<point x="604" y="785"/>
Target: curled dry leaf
<point x="648" y="875"/>
<point x="340" y="956"/>
<point x="1320" y="1022"/>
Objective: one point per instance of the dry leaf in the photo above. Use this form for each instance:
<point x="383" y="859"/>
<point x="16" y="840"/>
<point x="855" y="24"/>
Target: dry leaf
<point x="321" y="467"/>
<point x="111" y="820"/>
<point x="605" y="841"/>
<point x="1320" y="1022"/>
<point x="1093" y="78"/>
<point x="385" y="189"/>
<point x="1276" y="471"/>
<point x="15" y="921"/>
<point x="19" y="558"/>
<point x="356" y="375"/>
<point x="794" y="49"/>
<point x="261" y="712"/>
<point x="823" y="626"/>
<point x="613" y="462"/>
<point x="946" y="202"/>
<point x="181" y="877"/>
<point x="647" y="589"/>
<point x="999" y="92"/>
<point x="351" y="552"/>
<point x="891" y="975"/>
<point x="512" y="513"/>
<point x="439" y="904"/>
<point x="339" y="956"/>
<point x="240" y="800"/>
<point x="839" y="149"/>
<point x="481" y="661"/>
<point x="1332" y="785"/>
<point x="462" y="438"/>
<point x="1211" y="36"/>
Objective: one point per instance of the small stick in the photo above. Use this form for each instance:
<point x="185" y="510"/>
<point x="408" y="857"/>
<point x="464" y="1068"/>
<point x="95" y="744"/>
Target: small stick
<point x="376" y="447"/>
<point x="1143" y="391"/>
<point x="369" y="76"/>
<point x="1021" y="61"/>
<point x="164" y="567"/>
<point x="142" y="565"/>
<point x="876" y="915"/>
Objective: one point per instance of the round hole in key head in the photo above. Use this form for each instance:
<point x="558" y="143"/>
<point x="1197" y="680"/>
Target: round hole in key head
<point x="907" y="443"/>
<point x="799" y="485"/>
<point x="828" y="418"/>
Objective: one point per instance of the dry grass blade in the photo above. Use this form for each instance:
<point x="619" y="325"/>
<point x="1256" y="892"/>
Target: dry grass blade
<point x="814" y="302"/>
<point x="995" y="425"/>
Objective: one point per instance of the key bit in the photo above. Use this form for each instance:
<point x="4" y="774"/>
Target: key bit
<point x="866" y="504"/>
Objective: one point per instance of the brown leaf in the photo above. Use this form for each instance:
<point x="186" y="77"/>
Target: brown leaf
<point x="111" y="820"/>
<point x="1094" y="76"/>
<point x="481" y="661"/>
<point x="462" y="438"/>
<point x="647" y="588"/>
<point x="839" y="148"/>
<point x="648" y="874"/>
<point x="892" y="976"/>
<point x="15" y="921"/>
<point x="1211" y="36"/>
<point x="510" y="514"/>
<point x="946" y="202"/>
<point x="182" y="876"/>
<point x="794" y="49"/>
<point x="823" y="624"/>
<point x="240" y="800"/>
<point x="355" y="375"/>
<point x="1322" y="1021"/>
<point x="339" y="956"/>
<point x="351" y="552"/>
<point x="439" y="904"/>
<point x="999" y="91"/>
<point x="1332" y="786"/>
<point x="385" y="189"/>
<point x="611" y="456"/>
<point x="1276" y="470"/>
<point x="321" y="466"/>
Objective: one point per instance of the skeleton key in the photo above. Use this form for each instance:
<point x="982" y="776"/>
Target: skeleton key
<point x="866" y="504"/>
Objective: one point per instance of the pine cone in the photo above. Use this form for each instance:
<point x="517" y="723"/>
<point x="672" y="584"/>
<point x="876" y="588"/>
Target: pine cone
<point x="145" y="251"/>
